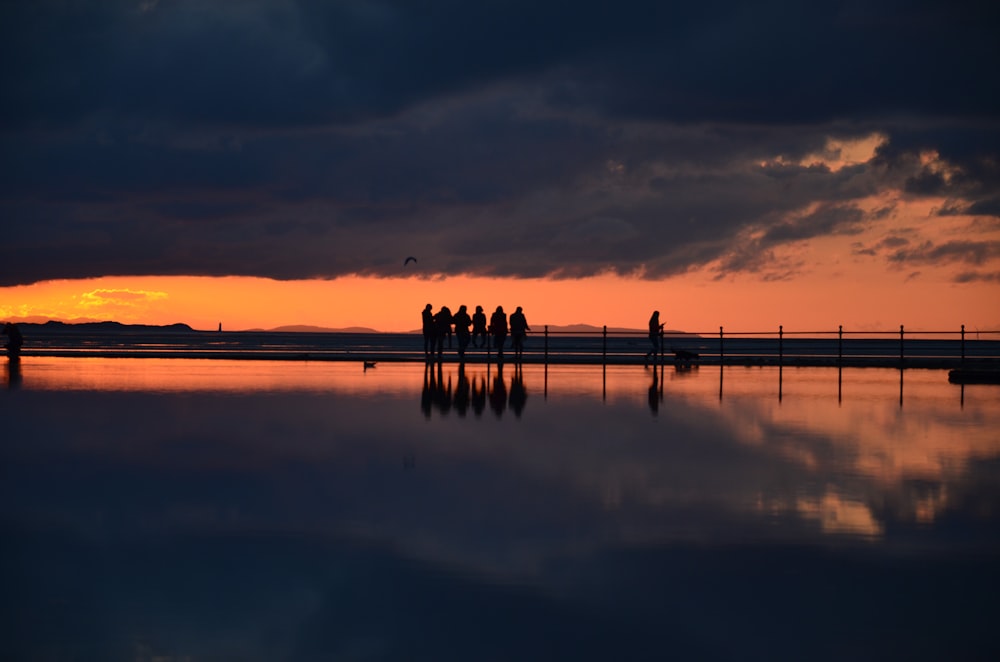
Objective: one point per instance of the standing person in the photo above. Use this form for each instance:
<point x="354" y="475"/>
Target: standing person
<point x="518" y="330"/>
<point x="479" y="327"/>
<point x="462" y="322"/>
<point x="498" y="329"/>
<point x="14" y="340"/>
<point x="442" y="325"/>
<point x="429" y="331"/>
<point x="655" y="328"/>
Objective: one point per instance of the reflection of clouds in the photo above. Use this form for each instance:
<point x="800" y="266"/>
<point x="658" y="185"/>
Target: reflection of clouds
<point x="834" y="513"/>
<point x="571" y="473"/>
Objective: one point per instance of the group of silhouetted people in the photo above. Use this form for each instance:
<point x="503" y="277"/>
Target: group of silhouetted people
<point x="473" y="329"/>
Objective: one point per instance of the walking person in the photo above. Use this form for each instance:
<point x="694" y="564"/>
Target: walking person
<point x="518" y="331"/>
<point x="498" y="329"/>
<point x="479" y="327"/>
<point x="462" y="321"/>
<point x="655" y="329"/>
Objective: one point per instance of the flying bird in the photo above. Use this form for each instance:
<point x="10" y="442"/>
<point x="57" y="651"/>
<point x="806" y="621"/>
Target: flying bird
<point x="407" y="260"/>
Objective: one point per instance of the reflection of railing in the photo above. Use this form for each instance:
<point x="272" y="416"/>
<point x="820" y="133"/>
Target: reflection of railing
<point x="900" y="348"/>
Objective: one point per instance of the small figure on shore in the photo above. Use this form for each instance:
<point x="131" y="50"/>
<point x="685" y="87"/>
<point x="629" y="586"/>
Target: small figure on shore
<point x="427" y="317"/>
<point x="442" y="325"/>
<point x="462" y="321"/>
<point x="479" y="327"/>
<point x="14" y="340"/>
<point x="518" y="331"/>
<point x="655" y="329"/>
<point x="498" y="329"/>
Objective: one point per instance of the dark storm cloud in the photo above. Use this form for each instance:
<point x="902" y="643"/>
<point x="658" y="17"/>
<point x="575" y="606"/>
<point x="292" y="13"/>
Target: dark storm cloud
<point x="312" y="139"/>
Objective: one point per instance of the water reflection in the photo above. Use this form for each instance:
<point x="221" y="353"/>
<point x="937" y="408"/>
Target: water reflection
<point x="13" y="372"/>
<point x="473" y="388"/>
<point x="235" y="515"/>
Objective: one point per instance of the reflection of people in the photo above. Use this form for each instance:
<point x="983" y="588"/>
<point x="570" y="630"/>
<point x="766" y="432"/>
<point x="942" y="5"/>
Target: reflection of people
<point x="462" y="389"/>
<point x="518" y="330"/>
<point x="518" y="394"/>
<point x="478" y="395"/>
<point x="429" y="333"/>
<point x="14" y="339"/>
<point x="498" y="395"/>
<point x="655" y="328"/>
<point x="654" y="393"/>
<point x="14" y="372"/>
<point x="462" y="322"/>
<point x="498" y="329"/>
<point x="427" y="394"/>
<point x="479" y="327"/>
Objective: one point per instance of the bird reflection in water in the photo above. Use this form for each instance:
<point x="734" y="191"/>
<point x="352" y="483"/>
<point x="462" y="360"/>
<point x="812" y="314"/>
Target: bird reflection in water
<point x="472" y="392"/>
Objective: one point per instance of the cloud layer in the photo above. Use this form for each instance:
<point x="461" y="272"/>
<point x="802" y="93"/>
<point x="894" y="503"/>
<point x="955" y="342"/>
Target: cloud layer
<point x="297" y="139"/>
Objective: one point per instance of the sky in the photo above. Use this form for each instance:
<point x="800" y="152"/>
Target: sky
<point x="271" y="162"/>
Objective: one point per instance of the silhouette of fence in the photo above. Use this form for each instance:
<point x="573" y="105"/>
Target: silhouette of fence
<point x="897" y="348"/>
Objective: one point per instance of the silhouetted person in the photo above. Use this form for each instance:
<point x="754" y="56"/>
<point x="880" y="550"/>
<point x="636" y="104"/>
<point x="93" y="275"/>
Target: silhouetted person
<point x="498" y="329"/>
<point x="14" y="340"/>
<point x="462" y="322"/>
<point x="442" y="326"/>
<point x="427" y="317"/>
<point x="655" y="327"/>
<point x="479" y="327"/>
<point x="518" y="394"/>
<point x="518" y="331"/>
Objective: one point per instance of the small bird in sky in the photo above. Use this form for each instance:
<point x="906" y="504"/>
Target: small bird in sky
<point x="407" y="260"/>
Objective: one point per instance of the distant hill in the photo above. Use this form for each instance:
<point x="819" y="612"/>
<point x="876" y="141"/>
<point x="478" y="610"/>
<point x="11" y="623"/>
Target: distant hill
<point x="305" y="328"/>
<point x="102" y="327"/>
<point x="589" y="328"/>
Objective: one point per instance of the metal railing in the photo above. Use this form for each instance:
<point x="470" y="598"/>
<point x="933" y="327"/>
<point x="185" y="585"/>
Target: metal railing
<point x="840" y="347"/>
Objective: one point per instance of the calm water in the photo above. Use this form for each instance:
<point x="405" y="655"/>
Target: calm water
<point x="253" y="510"/>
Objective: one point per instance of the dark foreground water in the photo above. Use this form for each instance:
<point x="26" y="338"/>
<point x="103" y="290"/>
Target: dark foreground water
<point x="257" y="510"/>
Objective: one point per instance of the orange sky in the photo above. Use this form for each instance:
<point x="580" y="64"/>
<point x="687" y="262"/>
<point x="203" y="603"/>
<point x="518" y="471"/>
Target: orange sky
<point x="694" y="302"/>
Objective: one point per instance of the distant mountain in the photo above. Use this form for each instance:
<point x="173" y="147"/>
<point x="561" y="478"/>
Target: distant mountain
<point x="102" y="327"/>
<point x="305" y="328"/>
<point x="589" y="328"/>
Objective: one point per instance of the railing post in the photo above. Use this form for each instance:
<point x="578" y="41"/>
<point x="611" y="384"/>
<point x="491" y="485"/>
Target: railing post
<point x="840" y="344"/>
<point x="604" y="346"/>
<point x="901" y="353"/>
<point x="722" y="348"/>
<point x="963" y="344"/>
<point x="546" y="344"/>
<point x="781" y="344"/>
<point x="661" y="347"/>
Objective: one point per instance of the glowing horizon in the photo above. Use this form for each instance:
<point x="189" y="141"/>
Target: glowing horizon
<point x="687" y="303"/>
